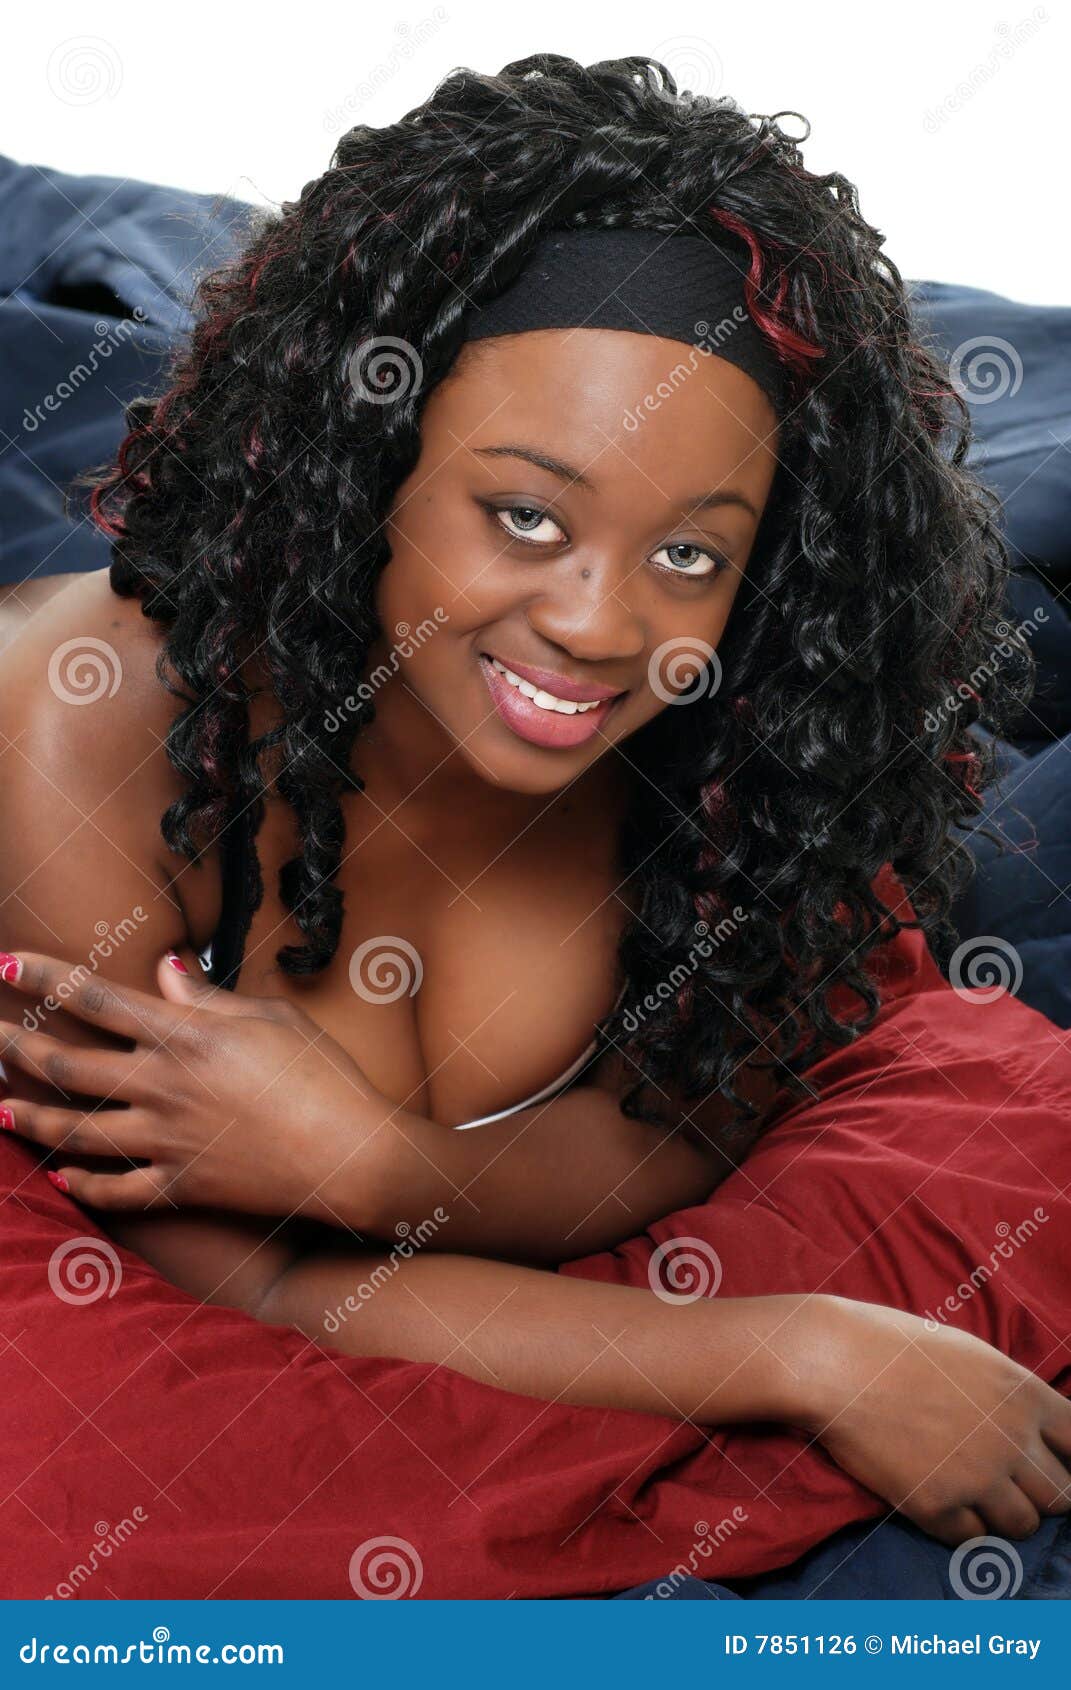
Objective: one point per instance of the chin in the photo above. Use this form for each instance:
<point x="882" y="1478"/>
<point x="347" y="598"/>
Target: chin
<point x="528" y="770"/>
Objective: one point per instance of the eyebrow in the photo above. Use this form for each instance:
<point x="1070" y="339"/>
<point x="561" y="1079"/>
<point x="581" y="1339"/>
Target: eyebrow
<point x="567" y="472"/>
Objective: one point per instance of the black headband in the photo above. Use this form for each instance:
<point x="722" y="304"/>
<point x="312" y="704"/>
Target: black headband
<point x="682" y="287"/>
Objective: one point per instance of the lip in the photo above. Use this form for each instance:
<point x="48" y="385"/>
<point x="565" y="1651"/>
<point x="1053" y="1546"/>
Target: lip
<point x="574" y="692"/>
<point x="551" y="729"/>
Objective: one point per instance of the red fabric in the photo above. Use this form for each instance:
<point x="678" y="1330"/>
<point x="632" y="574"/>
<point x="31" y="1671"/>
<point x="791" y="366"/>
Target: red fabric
<point x="253" y="1463"/>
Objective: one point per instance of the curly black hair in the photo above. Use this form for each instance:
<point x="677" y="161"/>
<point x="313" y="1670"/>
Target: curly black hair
<point x="246" y="509"/>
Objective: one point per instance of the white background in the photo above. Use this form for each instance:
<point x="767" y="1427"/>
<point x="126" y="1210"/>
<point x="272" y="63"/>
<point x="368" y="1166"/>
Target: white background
<point x="950" y="117"/>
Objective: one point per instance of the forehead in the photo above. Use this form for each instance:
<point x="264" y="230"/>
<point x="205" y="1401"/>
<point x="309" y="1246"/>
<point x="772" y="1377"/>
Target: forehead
<point x="624" y="407"/>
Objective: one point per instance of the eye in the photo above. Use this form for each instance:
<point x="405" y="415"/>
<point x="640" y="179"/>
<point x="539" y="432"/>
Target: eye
<point x="700" y="563"/>
<point x="532" y="519"/>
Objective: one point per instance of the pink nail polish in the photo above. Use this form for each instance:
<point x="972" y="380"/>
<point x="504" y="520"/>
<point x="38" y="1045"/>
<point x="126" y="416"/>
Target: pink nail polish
<point x="7" y="1119"/>
<point x="10" y="966"/>
<point x="177" y="963"/>
<point x="57" y="1180"/>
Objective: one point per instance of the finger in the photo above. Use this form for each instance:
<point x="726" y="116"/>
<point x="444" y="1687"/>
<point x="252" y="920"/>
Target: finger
<point x="1045" y="1479"/>
<point x="75" y="988"/>
<point x="105" y="1132"/>
<point x="141" y="1188"/>
<point x="1007" y="1510"/>
<point x="1057" y="1427"/>
<point x="68" y="1067"/>
<point x="954" y="1526"/>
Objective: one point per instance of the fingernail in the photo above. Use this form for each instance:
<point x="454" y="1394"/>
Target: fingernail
<point x="57" y="1180"/>
<point x="177" y="962"/>
<point x="7" y="1119"/>
<point x="10" y="966"/>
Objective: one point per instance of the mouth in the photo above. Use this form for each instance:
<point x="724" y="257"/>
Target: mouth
<point x="555" y="720"/>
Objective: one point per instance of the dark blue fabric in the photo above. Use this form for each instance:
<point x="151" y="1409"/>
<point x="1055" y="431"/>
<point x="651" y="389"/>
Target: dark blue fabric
<point x="894" y="1560"/>
<point x="1023" y="892"/>
<point x="96" y="279"/>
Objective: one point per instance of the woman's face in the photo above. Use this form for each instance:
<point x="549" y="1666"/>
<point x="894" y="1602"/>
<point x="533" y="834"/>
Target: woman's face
<point x="601" y="576"/>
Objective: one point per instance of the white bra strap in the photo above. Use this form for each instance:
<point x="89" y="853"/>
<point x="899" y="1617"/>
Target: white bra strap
<point x="537" y="1097"/>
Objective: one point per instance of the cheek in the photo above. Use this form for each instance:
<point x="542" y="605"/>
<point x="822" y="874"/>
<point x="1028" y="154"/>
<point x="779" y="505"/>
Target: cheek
<point x="444" y="567"/>
<point x="682" y="654"/>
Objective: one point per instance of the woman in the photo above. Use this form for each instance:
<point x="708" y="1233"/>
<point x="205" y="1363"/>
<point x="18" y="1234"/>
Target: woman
<point x="399" y="656"/>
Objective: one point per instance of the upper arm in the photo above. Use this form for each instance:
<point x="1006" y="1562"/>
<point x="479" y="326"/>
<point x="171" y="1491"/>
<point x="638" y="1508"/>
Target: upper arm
<point x="85" y="875"/>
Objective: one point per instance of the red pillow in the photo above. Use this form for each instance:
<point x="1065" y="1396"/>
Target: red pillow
<point x="155" y="1446"/>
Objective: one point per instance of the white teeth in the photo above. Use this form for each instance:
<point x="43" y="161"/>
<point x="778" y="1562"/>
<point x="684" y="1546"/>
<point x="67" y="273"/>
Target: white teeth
<point x="545" y="700"/>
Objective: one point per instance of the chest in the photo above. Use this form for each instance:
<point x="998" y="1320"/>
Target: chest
<point x="466" y="979"/>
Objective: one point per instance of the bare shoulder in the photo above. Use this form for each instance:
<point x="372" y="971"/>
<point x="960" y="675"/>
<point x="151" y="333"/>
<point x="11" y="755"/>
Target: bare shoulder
<point x="83" y="762"/>
<point x="79" y="676"/>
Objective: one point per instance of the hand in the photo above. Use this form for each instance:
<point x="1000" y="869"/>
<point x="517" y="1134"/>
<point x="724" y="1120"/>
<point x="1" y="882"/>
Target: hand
<point x="226" y="1101"/>
<point x="958" y="1437"/>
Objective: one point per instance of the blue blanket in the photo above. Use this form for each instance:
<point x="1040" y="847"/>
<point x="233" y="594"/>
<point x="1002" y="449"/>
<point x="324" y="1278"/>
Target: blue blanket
<point x="893" y="1560"/>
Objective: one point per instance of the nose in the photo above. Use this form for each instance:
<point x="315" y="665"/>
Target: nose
<point x="591" y="619"/>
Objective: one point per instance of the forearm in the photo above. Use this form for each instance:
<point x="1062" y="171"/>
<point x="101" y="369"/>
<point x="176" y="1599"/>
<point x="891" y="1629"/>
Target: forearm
<point x="557" y="1337"/>
<point x="546" y="1185"/>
